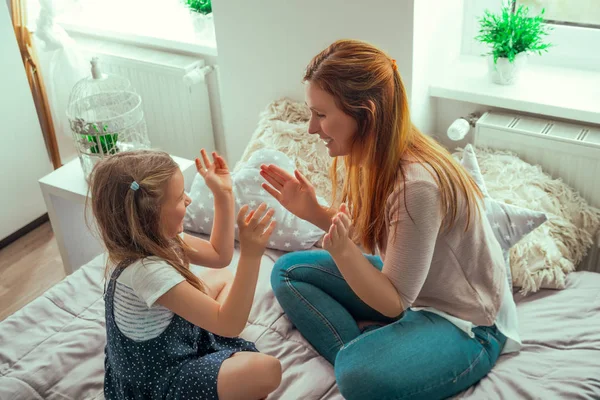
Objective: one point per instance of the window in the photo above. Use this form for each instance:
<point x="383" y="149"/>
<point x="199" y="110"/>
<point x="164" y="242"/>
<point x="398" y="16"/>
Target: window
<point x="575" y="35"/>
<point x="584" y="13"/>
<point x="147" y="21"/>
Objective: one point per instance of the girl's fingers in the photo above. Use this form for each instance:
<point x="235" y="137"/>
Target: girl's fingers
<point x="272" y="191"/>
<point x="267" y="233"/>
<point x="200" y="167"/>
<point x="205" y="158"/>
<point x="249" y="216"/>
<point x="222" y="162"/>
<point x="241" y="217"/>
<point x="215" y="160"/>
<point x="218" y="161"/>
<point x="257" y="215"/>
<point x="225" y="165"/>
<point x="265" y="219"/>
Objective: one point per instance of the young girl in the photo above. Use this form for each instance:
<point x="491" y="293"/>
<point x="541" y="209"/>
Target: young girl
<point x="170" y="333"/>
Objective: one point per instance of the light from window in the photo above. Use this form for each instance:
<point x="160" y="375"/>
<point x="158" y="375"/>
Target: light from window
<point x="155" y="18"/>
<point x="161" y="19"/>
<point x="566" y="12"/>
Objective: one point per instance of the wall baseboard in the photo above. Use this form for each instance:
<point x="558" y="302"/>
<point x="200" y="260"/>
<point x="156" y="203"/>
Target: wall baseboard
<point x="24" y="230"/>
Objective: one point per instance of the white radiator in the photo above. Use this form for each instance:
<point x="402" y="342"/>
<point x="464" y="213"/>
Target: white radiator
<point x="564" y="150"/>
<point x="177" y="110"/>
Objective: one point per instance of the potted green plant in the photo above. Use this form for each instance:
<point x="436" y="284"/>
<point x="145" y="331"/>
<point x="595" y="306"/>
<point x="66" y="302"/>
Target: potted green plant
<point x="203" y="7"/>
<point x="511" y="36"/>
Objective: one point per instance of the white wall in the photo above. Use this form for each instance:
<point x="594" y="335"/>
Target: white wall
<point x="263" y="52"/>
<point x="438" y="37"/>
<point x="265" y="46"/>
<point x="436" y="44"/>
<point x="23" y="156"/>
<point x="450" y="30"/>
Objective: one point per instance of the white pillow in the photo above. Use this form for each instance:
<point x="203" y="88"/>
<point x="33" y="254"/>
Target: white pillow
<point x="509" y="223"/>
<point x="283" y="126"/>
<point x="292" y="233"/>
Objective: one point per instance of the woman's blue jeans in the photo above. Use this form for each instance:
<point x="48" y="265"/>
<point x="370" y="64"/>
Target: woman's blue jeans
<point x="419" y="355"/>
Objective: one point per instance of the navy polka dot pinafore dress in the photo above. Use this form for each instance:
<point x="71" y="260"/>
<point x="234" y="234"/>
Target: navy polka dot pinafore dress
<point x="180" y="363"/>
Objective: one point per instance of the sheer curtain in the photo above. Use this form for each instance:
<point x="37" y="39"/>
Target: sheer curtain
<point x="61" y="62"/>
<point x="36" y="85"/>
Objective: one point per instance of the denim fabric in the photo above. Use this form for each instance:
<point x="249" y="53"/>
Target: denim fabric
<point x="417" y="356"/>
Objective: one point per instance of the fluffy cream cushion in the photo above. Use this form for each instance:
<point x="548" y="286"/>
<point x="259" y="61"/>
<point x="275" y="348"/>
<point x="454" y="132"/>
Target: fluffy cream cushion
<point x="544" y="257"/>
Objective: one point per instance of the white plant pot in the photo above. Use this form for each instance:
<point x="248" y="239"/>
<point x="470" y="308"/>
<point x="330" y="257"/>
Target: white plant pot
<point x="199" y="21"/>
<point x="505" y="72"/>
<point x="204" y="26"/>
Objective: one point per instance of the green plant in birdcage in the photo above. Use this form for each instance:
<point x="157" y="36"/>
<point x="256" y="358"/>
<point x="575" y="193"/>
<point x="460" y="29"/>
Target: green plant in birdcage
<point x="200" y="6"/>
<point x="513" y="31"/>
<point x="106" y="142"/>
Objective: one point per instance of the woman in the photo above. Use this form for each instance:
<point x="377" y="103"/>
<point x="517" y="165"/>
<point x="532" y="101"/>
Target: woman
<point x="424" y="320"/>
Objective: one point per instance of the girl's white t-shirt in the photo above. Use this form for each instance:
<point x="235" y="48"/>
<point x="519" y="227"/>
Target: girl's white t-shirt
<point x="136" y="291"/>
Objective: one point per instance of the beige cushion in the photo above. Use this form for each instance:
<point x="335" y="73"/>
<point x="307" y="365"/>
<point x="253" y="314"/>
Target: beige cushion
<point x="544" y="257"/>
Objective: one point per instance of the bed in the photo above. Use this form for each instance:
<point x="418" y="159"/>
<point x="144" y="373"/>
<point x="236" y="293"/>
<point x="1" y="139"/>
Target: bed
<point x="54" y="347"/>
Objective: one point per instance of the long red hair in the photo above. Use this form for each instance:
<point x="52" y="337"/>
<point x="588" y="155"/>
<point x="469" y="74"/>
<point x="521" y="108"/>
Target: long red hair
<point x="367" y="86"/>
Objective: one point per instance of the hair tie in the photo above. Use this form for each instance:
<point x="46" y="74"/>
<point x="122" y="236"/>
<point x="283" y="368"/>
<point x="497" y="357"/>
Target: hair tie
<point x="134" y="186"/>
<point x="394" y="66"/>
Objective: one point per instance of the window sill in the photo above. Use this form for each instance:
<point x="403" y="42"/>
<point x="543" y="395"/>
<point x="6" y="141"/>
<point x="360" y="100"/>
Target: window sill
<point x="197" y="45"/>
<point x="560" y="92"/>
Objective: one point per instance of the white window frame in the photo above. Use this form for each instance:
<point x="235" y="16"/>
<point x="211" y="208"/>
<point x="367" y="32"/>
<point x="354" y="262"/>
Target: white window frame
<point x="574" y="46"/>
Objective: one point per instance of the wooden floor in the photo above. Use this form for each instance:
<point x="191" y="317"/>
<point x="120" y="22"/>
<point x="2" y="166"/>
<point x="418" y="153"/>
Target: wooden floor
<point x="28" y="267"/>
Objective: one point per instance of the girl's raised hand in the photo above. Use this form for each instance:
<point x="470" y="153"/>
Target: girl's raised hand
<point x="215" y="173"/>
<point x="255" y="228"/>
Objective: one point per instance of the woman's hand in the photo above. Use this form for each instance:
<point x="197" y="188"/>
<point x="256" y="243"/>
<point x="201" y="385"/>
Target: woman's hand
<point x="215" y="174"/>
<point x="337" y="239"/>
<point x="295" y="193"/>
<point x="254" y="231"/>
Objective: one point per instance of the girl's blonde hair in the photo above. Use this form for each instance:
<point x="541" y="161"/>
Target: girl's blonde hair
<point x="129" y="221"/>
<point x="367" y="86"/>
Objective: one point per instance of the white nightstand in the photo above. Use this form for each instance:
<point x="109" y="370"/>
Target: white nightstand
<point x="65" y="192"/>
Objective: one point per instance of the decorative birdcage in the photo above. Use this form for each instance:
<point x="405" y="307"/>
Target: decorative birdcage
<point x="106" y="117"/>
